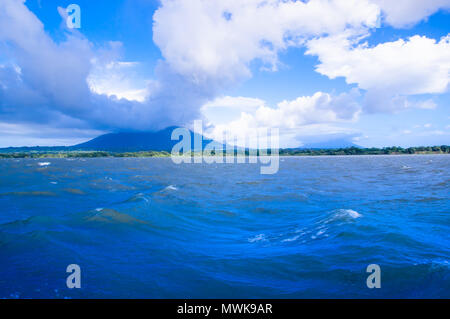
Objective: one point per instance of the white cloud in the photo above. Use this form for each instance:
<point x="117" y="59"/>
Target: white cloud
<point x="119" y="79"/>
<point x="229" y="102"/>
<point x="404" y="13"/>
<point x="427" y="130"/>
<point x="225" y="109"/>
<point x="297" y="119"/>
<point x="426" y="105"/>
<point x="215" y="41"/>
<point x="426" y="125"/>
<point x="388" y="71"/>
<point x="418" y="65"/>
<point x="318" y="108"/>
<point x="218" y="39"/>
<point x="54" y="80"/>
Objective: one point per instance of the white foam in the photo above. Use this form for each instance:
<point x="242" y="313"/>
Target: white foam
<point x="301" y="231"/>
<point x="260" y="237"/>
<point x="352" y="213"/>
<point x="341" y="215"/>
<point x="141" y="195"/>
<point x="320" y="232"/>
<point x="291" y="239"/>
<point x="43" y="164"/>
<point x="171" y="188"/>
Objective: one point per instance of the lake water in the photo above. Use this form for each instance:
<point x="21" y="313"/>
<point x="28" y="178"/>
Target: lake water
<point x="147" y="228"/>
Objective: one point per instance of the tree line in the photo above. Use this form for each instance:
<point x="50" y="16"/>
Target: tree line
<point x="394" y="150"/>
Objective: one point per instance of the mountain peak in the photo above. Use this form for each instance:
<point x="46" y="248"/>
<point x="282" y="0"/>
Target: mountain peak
<point x="135" y="141"/>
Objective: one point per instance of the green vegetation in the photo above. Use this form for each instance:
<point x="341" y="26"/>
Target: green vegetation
<point x="77" y="154"/>
<point x="368" y="151"/>
<point x="283" y="152"/>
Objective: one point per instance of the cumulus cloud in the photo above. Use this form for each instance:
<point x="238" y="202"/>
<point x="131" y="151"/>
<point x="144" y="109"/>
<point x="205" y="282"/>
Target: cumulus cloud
<point x="44" y="81"/>
<point x="218" y="39"/>
<point x="417" y="65"/>
<point x="297" y="120"/>
<point x="42" y="63"/>
<point x="120" y="80"/>
<point x="388" y="71"/>
<point x="225" y="109"/>
<point x="404" y="13"/>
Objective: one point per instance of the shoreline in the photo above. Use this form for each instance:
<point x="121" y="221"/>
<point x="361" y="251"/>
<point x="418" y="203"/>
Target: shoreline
<point x="76" y="155"/>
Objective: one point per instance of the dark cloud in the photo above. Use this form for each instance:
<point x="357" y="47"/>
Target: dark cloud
<point x="46" y="82"/>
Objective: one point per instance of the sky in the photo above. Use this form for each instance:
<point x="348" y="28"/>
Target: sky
<point x="372" y="72"/>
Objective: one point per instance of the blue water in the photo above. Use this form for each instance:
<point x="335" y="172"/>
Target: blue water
<point x="147" y="228"/>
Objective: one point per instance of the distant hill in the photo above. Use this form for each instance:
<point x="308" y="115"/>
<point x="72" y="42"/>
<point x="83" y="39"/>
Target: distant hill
<point x="119" y="142"/>
<point x="136" y="141"/>
<point x="42" y="149"/>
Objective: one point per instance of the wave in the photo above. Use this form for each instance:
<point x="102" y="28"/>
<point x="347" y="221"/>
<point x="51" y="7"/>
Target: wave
<point x="44" y="164"/>
<point x="138" y="198"/>
<point x="107" y="215"/>
<point x="260" y="237"/>
<point x="291" y="239"/>
<point x="171" y="188"/>
<point x="342" y="215"/>
<point x="317" y="230"/>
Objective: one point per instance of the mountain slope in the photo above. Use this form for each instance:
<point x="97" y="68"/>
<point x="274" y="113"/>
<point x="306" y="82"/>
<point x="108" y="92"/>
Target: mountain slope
<point x="135" y="141"/>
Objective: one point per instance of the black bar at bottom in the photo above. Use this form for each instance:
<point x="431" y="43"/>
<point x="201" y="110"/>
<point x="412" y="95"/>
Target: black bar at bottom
<point x="225" y="308"/>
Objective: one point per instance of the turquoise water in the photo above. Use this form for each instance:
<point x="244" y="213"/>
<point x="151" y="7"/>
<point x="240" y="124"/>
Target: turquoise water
<point x="147" y="228"/>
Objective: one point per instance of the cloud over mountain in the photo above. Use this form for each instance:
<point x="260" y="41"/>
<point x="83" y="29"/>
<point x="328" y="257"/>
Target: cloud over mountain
<point x="47" y="82"/>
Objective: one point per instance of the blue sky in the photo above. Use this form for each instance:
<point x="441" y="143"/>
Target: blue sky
<point x="369" y="72"/>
